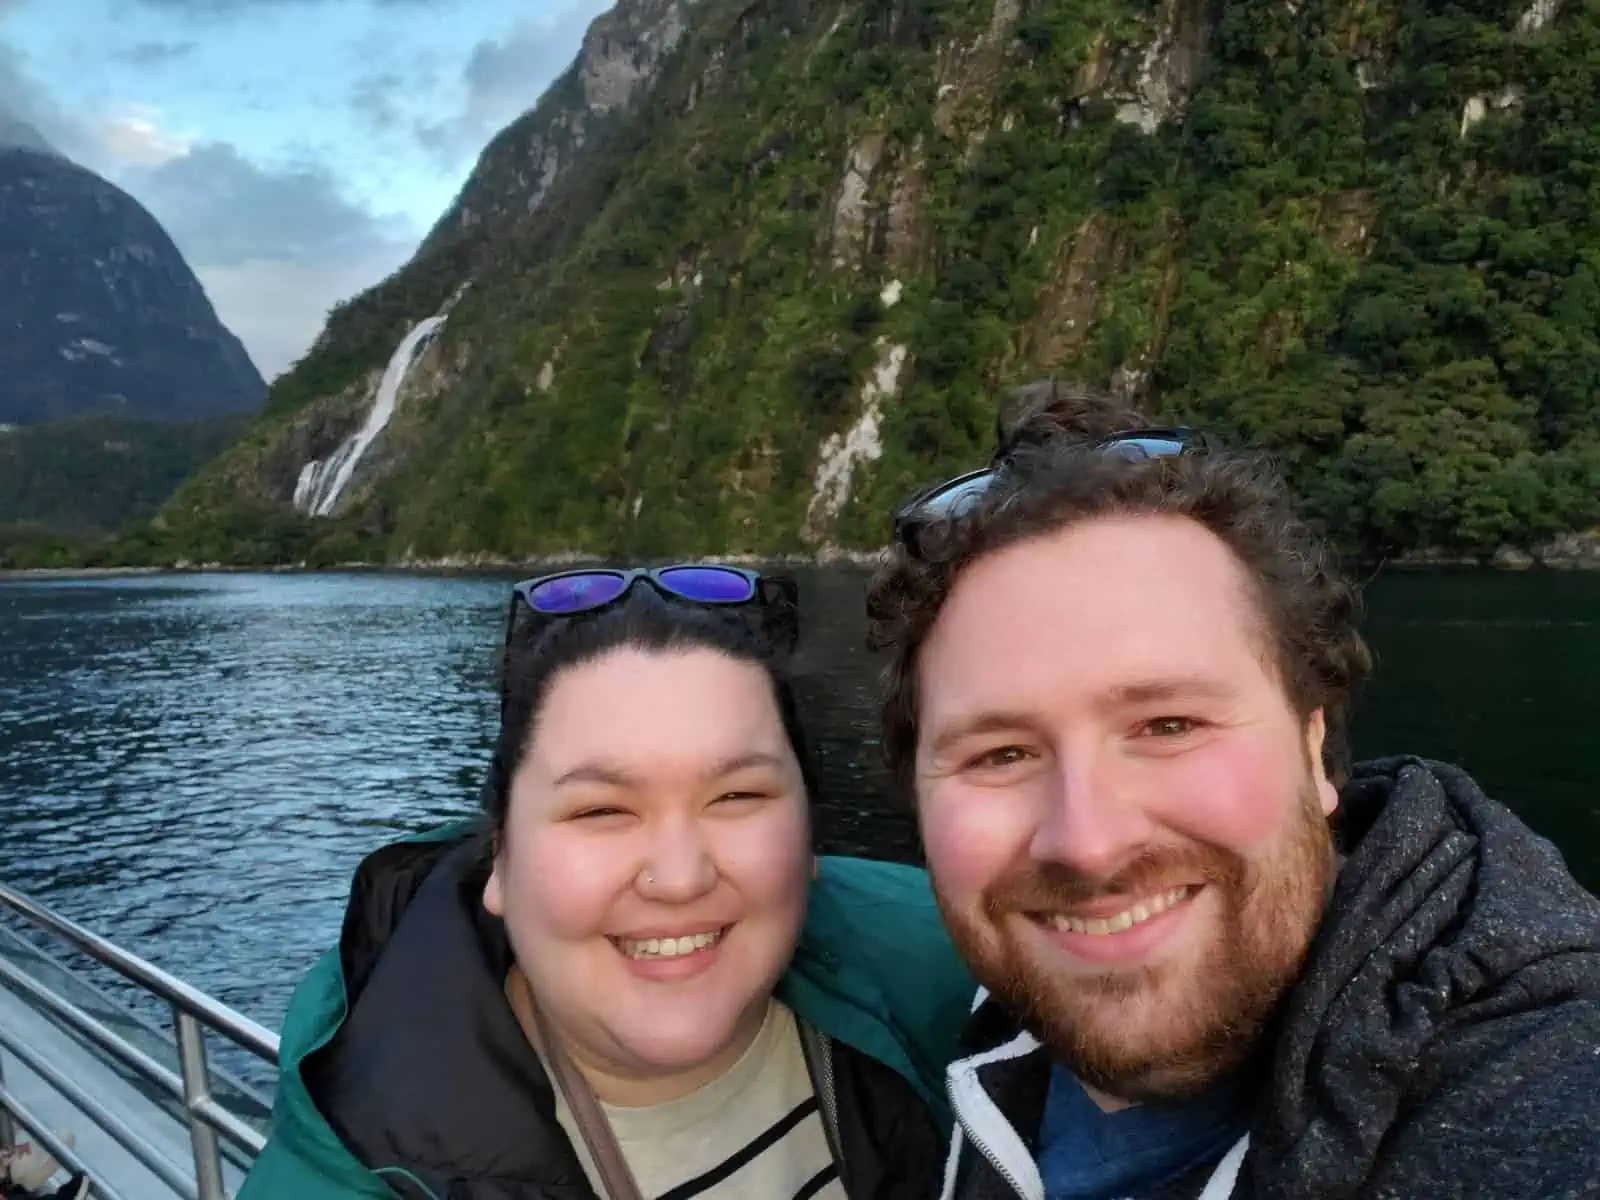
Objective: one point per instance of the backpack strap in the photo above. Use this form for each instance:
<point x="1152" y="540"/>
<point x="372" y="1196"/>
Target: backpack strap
<point x="615" y="1176"/>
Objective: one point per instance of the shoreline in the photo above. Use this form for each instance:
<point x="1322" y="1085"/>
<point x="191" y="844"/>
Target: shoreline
<point x="1572" y="552"/>
<point x="449" y="563"/>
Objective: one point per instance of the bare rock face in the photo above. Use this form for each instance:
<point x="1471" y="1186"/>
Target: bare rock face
<point x="99" y="312"/>
<point x="1151" y="83"/>
<point x="622" y="56"/>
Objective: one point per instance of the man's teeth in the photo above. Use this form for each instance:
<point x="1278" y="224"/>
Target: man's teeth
<point x="667" y="947"/>
<point x="1126" y="919"/>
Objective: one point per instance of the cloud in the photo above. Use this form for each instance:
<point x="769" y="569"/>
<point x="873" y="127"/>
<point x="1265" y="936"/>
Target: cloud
<point x="277" y="307"/>
<point x="275" y="248"/>
<point x="19" y="133"/>
<point x="224" y="8"/>
<point x="228" y="208"/>
<point x="376" y="99"/>
<point x="137" y="140"/>
<point x="153" y="54"/>
<point x="505" y="76"/>
<point x="22" y="97"/>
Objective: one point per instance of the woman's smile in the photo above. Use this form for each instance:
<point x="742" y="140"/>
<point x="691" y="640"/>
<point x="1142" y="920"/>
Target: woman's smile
<point x="672" y="959"/>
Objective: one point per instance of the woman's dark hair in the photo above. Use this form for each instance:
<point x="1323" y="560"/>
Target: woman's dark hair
<point x="538" y="651"/>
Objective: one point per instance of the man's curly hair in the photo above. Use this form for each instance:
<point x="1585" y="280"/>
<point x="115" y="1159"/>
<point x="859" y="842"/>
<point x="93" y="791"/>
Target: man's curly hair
<point x="1051" y="475"/>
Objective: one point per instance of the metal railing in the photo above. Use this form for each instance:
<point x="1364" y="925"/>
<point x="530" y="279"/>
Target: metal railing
<point x="193" y="1012"/>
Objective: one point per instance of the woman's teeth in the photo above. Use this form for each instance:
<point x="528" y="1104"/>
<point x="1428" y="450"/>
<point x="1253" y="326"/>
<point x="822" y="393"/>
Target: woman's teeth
<point x="1126" y="919"/>
<point x="668" y="947"/>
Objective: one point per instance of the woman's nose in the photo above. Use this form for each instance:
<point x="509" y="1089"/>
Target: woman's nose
<point x="679" y="867"/>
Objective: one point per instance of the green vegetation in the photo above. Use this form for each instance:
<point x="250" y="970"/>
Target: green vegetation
<point x="1310" y="253"/>
<point x="90" y="475"/>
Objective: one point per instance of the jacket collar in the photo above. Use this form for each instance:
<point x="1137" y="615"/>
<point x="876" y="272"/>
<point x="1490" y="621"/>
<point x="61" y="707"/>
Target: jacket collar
<point x="998" y="1089"/>
<point x="430" y="1073"/>
<point x="417" y="953"/>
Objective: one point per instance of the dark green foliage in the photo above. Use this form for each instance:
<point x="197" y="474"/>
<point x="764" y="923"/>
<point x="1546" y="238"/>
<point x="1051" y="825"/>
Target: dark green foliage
<point x="247" y="537"/>
<point x="1456" y="363"/>
<point x="93" y="474"/>
<point x="1308" y="254"/>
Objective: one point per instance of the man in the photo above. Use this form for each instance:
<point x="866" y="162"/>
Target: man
<point x="1217" y="961"/>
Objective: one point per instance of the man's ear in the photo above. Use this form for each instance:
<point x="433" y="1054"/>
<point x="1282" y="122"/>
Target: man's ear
<point x="1316" y="735"/>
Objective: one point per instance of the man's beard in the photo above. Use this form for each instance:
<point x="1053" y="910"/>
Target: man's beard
<point x="1160" y="1032"/>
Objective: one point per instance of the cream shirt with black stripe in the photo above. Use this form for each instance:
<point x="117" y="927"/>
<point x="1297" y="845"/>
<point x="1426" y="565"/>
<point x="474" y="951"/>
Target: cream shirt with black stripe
<point x="753" y="1133"/>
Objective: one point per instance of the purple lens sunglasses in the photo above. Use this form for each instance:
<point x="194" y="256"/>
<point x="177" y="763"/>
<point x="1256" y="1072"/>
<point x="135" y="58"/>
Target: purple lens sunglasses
<point x="588" y="589"/>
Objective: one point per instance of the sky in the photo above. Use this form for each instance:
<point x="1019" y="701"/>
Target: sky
<point x="295" y="150"/>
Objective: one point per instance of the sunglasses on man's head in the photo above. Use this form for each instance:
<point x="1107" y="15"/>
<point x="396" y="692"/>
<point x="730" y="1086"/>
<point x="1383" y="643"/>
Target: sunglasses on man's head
<point x="956" y="497"/>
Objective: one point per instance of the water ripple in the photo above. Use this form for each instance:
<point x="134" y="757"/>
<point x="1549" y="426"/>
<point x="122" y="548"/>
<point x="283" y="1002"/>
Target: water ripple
<point x="194" y="767"/>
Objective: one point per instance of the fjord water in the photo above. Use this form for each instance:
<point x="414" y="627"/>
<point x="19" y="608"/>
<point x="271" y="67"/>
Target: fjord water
<point x="194" y="764"/>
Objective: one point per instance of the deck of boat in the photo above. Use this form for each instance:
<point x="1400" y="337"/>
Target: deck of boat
<point x="74" y="1059"/>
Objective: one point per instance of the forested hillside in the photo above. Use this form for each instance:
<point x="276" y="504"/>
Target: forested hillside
<point x="752" y="299"/>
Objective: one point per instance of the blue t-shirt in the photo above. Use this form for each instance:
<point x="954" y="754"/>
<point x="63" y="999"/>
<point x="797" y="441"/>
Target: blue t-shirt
<point x="1086" y="1153"/>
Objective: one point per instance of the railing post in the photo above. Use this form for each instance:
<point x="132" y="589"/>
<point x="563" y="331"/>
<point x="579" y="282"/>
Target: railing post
<point x="8" y="1127"/>
<point x="196" y="1089"/>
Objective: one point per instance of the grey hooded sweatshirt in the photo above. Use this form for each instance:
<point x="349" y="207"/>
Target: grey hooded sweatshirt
<point x="1443" y="1040"/>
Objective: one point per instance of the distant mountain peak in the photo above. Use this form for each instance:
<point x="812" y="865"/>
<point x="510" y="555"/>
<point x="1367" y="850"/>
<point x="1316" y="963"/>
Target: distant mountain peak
<point x="16" y="134"/>
<point x="100" y="313"/>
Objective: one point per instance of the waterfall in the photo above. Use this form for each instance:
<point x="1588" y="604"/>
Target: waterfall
<point x="322" y="483"/>
<point x="305" y="486"/>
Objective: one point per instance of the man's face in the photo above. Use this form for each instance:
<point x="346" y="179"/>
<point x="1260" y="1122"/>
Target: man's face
<point x="1124" y="816"/>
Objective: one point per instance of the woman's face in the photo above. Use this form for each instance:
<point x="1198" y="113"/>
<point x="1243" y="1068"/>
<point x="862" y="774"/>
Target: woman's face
<point x="654" y="865"/>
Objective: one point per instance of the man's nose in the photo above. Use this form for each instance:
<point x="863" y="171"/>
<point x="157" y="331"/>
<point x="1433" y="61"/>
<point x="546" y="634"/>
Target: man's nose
<point x="1093" y="822"/>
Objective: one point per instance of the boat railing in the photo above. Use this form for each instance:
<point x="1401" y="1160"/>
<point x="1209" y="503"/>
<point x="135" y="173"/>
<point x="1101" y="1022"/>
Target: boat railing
<point x="191" y="1086"/>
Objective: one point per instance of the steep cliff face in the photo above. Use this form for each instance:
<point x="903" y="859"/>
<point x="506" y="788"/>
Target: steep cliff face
<point x="623" y="53"/>
<point x="767" y="281"/>
<point x="99" y="313"/>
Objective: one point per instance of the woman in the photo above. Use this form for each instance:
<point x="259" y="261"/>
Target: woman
<point x="640" y="983"/>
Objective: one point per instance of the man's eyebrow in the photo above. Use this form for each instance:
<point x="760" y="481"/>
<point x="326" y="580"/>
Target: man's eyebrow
<point x="994" y="721"/>
<point x="1182" y="687"/>
<point x="1147" y="691"/>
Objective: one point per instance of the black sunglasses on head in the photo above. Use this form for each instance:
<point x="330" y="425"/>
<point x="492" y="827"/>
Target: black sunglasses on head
<point x="954" y="498"/>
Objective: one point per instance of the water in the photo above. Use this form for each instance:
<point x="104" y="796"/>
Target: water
<point x="193" y="765"/>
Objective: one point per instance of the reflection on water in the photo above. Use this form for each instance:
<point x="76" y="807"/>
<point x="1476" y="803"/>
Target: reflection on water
<point x="1497" y="672"/>
<point x="193" y="765"/>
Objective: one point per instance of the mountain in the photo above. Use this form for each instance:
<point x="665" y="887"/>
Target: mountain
<point x="754" y="270"/>
<point x="100" y="314"/>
